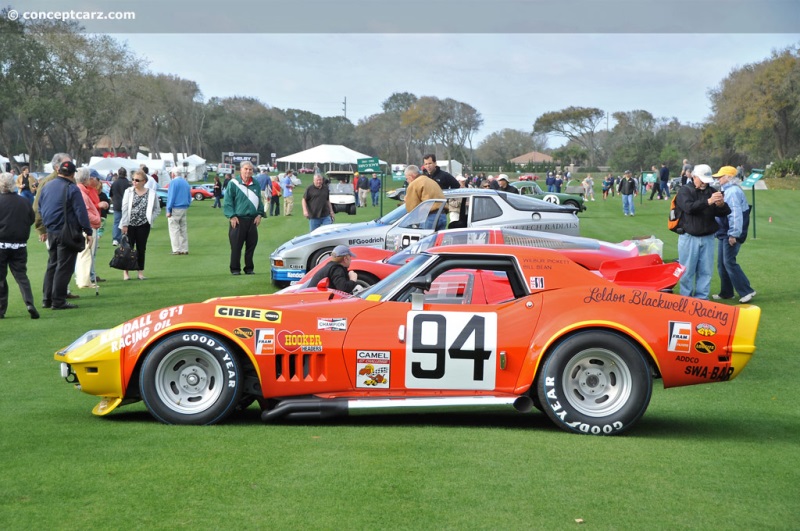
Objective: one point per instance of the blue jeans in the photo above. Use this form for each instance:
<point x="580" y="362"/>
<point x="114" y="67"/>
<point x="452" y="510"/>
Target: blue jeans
<point x="315" y="223"/>
<point x="665" y="189"/>
<point x="375" y="198"/>
<point x="116" y="233"/>
<point x="627" y="204"/>
<point x="696" y="254"/>
<point x="731" y="275"/>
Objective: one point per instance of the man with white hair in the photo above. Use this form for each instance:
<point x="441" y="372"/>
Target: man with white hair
<point x="698" y="204"/>
<point x="16" y="218"/>
<point x="244" y="209"/>
<point x="179" y="198"/>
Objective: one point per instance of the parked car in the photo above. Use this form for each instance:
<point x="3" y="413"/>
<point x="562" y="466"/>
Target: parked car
<point x="623" y="263"/>
<point x="162" y="196"/>
<point x="306" y="170"/>
<point x="461" y="326"/>
<point x="225" y="169"/>
<point x="398" y="194"/>
<point x="399" y="229"/>
<point x="209" y="187"/>
<point x="532" y="189"/>
<point x="201" y="192"/>
<point x="211" y="167"/>
<point x="341" y="191"/>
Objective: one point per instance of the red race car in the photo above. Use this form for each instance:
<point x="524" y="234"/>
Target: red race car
<point x="456" y="327"/>
<point x="620" y="263"/>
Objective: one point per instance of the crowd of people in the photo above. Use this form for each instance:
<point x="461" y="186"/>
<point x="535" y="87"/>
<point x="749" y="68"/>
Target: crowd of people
<point x="53" y="202"/>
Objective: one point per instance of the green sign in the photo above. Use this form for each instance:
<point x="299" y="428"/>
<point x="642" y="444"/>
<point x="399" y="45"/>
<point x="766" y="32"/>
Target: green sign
<point x="649" y="177"/>
<point x="753" y="178"/>
<point x="370" y="164"/>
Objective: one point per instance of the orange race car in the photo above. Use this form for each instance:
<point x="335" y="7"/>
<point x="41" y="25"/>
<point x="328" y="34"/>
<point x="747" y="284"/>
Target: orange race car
<point x="458" y="326"/>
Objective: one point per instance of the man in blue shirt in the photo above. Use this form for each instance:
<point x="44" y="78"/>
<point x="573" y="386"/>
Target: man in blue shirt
<point x="179" y="197"/>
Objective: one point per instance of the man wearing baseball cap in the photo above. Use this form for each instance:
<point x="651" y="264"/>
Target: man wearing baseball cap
<point x="698" y="205"/>
<point x="61" y="192"/>
<point x="339" y="278"/>
<point x="502" y="182"/>
<point x="731" y="234"/>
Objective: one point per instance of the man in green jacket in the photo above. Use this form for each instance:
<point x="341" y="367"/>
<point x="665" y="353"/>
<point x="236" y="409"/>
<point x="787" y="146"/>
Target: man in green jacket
<point x="244" y="208"/>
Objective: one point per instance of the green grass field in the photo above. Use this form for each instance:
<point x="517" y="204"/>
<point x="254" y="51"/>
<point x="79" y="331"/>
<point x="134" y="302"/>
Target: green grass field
<point x="719" y="456"/>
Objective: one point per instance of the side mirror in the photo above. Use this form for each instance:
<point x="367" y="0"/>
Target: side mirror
<point x="322" y="285"/>
<point x="422" y="283"/>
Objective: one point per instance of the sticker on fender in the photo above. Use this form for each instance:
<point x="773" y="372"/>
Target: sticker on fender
<point x="451" y="350"/>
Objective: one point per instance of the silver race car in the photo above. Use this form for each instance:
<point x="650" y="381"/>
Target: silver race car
<point x="465" y="207"/>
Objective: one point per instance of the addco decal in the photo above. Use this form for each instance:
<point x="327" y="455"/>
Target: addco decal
<point x="680" y="336"/>
<point x="265" y="342"/>
<point x="243" y="333"/>
<point x="705" y="329"/>
<point x="297" y="340"/>
<point x="372" y="368"/>
<point x="705" y="347"/>
<point x="332" y="323"/>
<point x="248" y="314"/>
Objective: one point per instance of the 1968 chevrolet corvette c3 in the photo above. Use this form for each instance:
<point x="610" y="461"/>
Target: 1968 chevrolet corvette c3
<point x="458" y="326"/>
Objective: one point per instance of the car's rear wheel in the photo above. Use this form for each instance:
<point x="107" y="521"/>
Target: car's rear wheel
<point x="572" y="204"/>
<point x="191" y="378"/>
<point x="367" y="278"/>
<point x="198" y="196"/>
<point x="595" y="382"/>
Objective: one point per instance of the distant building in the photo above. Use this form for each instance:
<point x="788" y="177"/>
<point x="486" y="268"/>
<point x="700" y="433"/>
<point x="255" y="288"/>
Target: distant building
<point x="533" y="157"/>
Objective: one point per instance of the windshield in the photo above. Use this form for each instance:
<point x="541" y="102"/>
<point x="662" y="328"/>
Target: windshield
<point x="389" y="285"/>
<point x="392" y="217"/>
<point x="340" y="188"/>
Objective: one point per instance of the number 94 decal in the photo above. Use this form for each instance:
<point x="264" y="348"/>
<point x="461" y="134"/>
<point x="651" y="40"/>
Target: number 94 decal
<point x="451" y="350"/>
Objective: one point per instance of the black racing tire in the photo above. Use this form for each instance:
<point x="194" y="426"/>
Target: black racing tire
<point x="199" y="197"/>
<point x="595" y="382"/>
<point x="318" y="256"/>
<point x="191" y="377"/>
<point x="367" y="278"/>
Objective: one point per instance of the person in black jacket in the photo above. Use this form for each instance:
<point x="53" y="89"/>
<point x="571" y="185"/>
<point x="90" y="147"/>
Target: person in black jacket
<point x="442" y="178"/>
<point x="339" y="278"/>
<point x="698" y="205"/>
<point x="16" y="218"/>
<point x="118" y="187"/>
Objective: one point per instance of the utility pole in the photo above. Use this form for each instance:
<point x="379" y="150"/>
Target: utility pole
<point x="344" y="106"/>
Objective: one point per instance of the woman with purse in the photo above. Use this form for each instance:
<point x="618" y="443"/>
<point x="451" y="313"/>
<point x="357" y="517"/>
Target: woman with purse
<point x="140" y="208"/>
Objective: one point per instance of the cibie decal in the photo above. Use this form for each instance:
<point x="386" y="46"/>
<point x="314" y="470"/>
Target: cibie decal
<point x="451" y="350"/>
<point x="248" y="314"/>
<point x="705" y="329"/>
<point x="292" y="341"/>
<point x="332" y="323"/>
<point x="265" y="342"/>
<point x="680" y="336"/>
<point x="705" y="347"/>
<point x="243" y="333"/>
<point x="372" y="368"/>
<point x="536" y="282"/>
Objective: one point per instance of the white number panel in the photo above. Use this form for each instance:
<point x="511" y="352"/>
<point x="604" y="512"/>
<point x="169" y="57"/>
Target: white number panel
<point x="451" y="350"/>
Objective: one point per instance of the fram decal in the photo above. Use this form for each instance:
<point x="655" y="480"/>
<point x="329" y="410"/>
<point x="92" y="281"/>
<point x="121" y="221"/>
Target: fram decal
<point x="372" y="368"/>
<point x="265" y="341"/>
<point x="243" y="333"/>
<point x="297" y="340"/>
<point x="332" y="323"/>
<point x="536" y="282"/>
<point x="705" y="347"/>
<point x="705" y="329"/>
<point x="249" y="314"/>
<point x="680" y="336"/>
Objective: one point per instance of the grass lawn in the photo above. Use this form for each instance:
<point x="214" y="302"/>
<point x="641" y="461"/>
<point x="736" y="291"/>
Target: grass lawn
<point x="719" y="456"/>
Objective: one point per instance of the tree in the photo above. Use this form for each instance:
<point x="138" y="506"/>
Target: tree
<point x="577" y="124"/>
<point x="501" y="146"/>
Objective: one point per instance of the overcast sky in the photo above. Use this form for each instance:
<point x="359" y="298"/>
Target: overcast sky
<point x="509" y="79"/>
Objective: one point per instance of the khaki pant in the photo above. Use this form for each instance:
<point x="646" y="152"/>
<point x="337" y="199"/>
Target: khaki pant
<point x="288" y="205"/>
<point x="83" y="264"/>
<point x="178" y="231"/>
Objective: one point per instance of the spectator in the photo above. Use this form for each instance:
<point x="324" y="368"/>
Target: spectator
<point x="375" y="188"/>
<point x="656" y="186"/>
<point x="608" y="185"/>
<point x="217" y="193"/>
<point x="244" y="208"/>
<point x="140" y="208"/>
<point x="698" y="205"/>
<point x="152" y="180"/>
<point x="502" y="182"/>
<point x="686" y="172"/>
<point x="550" y="182"/>
<point x="422" y="188"/>
<point x="663" y="177"/>
<point x="265" y="183"/>
<point x="103" y="206"/>
<point x="16" y="218"/>
<point x="317" y="206"/>
<point x="53" y="198"/>
<point x="179" y="198"/>
<point x="339" y="278"/>
<point x="438" y="175"/>
<point x="627" y="189"/>
<point x="287" y="186"/>
<point x="26" y="184"/>
<point x="363" y="190"/>
<point x="38" y="224"/>
<point x="84" y="264"/>
<point x="558" y="182"/>
<point x="118" y="188"/>
<point x="588" y="187"/>
<point x="275" y="197"/>
<point x="731" y="234"/>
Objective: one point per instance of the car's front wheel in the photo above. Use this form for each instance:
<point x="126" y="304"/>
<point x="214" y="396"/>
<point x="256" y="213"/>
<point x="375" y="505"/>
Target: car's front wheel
<point x="595" y="382"/>
<point x="198" y="196"/>
<point x="191" y="378"/>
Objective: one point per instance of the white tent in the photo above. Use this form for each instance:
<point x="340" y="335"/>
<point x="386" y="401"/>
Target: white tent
<point x="195" y="167"/>
<point x="104" y="165"/>
<point x="326" y="154"/>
